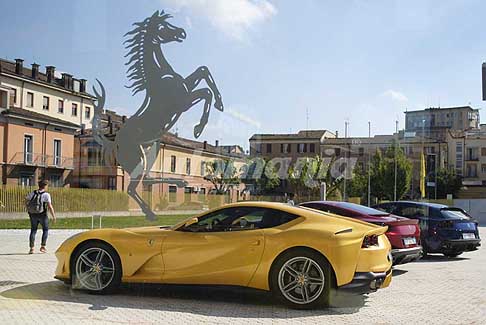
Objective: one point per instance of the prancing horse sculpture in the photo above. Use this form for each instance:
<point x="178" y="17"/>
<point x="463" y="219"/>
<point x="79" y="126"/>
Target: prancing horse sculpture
<point x="167" y="96"/>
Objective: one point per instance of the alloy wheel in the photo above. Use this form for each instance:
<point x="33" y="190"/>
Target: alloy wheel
<point x="301" y="280"/>
<point x="95" y="269"/>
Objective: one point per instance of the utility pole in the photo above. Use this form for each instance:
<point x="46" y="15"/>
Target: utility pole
<point x="369" y="163"/>
<point x="396" y="163"/>
<point x="346" y="124"/>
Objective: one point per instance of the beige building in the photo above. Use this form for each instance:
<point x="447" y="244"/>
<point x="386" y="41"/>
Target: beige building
<point x="435" y="122"/>
<point x="39" y="117"/>
<point x="467" y="155"/>
<point x="305" y="143"/>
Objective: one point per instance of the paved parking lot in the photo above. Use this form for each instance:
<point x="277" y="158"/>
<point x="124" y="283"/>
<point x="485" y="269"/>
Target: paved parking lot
<point x="432" y="291"/>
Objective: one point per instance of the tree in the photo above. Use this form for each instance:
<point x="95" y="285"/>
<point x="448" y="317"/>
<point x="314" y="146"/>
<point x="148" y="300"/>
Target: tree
<point x="222" y="174"/>
<point x="306" y="176"/>
<point x="382" y="175"/>
<point x="262" y="175"/>
<point x="448" y="182"/>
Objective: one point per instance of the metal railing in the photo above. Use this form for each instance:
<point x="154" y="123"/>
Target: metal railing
<point x="40" y="160"/>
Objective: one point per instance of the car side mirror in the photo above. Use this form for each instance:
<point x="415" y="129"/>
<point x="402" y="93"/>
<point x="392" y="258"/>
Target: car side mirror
<point x="191" y="222"/>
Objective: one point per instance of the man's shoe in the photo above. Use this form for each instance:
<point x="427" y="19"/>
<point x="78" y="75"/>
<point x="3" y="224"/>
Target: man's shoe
<point x="31" y="251"/>
<point x="43" y="249"/>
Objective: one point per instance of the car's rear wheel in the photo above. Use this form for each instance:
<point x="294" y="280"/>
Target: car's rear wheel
<point x="96" y="268"/>
<point x="302" y="279"/>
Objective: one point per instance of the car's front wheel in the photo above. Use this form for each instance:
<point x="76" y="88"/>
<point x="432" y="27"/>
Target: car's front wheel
<point x="96" y="268"/>
<point x="302" y="279"/>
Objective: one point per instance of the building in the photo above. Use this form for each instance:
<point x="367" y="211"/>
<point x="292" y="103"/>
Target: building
<point x="305" y="143"/>
<point x="434" y="122"/>
<point x="178" y="158"/>
<point x="40" y="114"/>
<point x="467" y="155"/>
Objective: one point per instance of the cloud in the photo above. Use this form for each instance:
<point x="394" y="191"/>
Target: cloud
<point x="232" y="17"/>
<point x="395" y="95"/>
<point x="243" y="118"/>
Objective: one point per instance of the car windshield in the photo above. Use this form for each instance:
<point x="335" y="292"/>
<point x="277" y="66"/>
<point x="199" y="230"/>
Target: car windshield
<point x="361" y="209"/>
<point x="449" y="213"/>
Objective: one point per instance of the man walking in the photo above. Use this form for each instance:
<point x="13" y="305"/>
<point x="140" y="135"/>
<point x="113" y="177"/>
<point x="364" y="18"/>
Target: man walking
<point x="37" y="203"/>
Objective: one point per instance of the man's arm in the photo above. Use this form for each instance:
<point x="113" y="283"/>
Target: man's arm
<point x="51" y="210"/>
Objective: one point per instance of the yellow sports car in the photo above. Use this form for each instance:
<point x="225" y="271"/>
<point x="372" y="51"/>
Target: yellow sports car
<point x="300" y="254"/>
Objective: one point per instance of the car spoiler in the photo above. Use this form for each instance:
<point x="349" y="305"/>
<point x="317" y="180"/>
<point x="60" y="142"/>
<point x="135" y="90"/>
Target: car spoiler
<point x="377" y="231"/>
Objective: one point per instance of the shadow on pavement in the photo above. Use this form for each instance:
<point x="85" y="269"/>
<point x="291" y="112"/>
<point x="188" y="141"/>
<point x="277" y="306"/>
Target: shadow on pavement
<point x="441" y="258"/>
<point x="397" y="272"/>
<point x="202" y="300"/>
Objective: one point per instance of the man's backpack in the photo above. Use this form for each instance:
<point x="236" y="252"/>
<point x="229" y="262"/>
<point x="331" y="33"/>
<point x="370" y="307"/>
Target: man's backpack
<point x="35" y="205"/>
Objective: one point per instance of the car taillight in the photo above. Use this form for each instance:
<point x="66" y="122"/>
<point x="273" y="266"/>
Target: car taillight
<point x="369" y="241"/>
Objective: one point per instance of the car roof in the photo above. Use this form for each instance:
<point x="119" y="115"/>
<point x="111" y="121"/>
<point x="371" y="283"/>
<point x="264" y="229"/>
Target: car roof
<point x="425" y="204"/>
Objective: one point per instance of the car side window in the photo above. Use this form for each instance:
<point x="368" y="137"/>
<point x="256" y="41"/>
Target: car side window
<point x="275" y="218"/>
<point x="229" y="219"/>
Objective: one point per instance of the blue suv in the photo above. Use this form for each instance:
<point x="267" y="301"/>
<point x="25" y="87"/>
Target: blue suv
<point x="443" y="229"/>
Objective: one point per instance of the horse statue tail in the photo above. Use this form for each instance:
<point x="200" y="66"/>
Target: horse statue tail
<point x="108" y="146"/>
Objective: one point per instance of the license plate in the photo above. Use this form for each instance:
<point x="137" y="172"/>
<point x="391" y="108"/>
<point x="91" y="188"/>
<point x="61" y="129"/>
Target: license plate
<point x="468" y="235"/>
<point x="409" y="241"/>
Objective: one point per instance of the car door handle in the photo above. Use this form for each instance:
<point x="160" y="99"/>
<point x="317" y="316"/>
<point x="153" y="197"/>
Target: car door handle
<point x="256" y="242"/>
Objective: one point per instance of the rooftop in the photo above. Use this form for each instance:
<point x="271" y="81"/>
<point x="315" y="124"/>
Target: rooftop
<point x="303" y="134"/>
<point x="43" y="118"/>
<point x="9" y="67"/>
<point x="434" y="109"/>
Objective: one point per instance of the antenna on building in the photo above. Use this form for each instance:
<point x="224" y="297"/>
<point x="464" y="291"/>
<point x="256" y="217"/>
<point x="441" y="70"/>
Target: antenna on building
<point x="307" y="121"/>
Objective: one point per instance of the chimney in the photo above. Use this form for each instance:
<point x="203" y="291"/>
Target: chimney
<point x="35" y="71"/>
<point x="205" y="145"/>
<point x="50" y="71"/>
<point x="124" y="118"/>
<point x="110" y="124"/>
<point x="337" y="134"/>
<point x="216" y="143"/>
<point x="82" y="85"/>
<point x="19" y="66"/>
<point x="67" y="81"/>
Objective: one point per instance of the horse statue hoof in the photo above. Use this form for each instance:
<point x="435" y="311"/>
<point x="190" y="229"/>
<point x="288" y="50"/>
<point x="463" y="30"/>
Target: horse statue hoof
<point x="219" y="105"/>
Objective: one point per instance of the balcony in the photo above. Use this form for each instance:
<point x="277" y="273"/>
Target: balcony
<point x="40" y="160"/>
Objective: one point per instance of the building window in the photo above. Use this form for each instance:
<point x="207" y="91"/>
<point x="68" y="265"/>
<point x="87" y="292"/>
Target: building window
<point x="302" y="147"/>
<point x="87" y="112"/>
<point x="60" y="106"/>
<point x="203" y="168"/>
<point x="258" y="148"/>
<point x="74" y="110"/>
<point x="188" y="166"/>
<point x="187" y="193"/>
<point x="337" y="152"/>
<point x="312" y="147"/>
<point x="172" y="164"/>
<point x="172" y="193"/>
<point x="30" y="99"/>
<point x="459" y="158"/>
<point x="112" y="183"/>
<point x="26" y="179"/>
<point x="28" y="149"/>
<point x="94" y="156"/>
<point x="57" y="152"/>
<point x="45" y="103"/>
<point x="472" y="154"/>
<point x="55" y="181"/>
<point x="361" y="152"/>
<point x="472" y="170"/>
<point x="285" y="147"/>
<point x="269" y="148"/>
<point x="483" y="152"/>
<point x="13" y="96"/>
<point x="483" y="168"/>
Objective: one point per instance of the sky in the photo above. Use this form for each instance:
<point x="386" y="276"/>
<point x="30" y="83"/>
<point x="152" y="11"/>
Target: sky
<point x="280" y="65"/>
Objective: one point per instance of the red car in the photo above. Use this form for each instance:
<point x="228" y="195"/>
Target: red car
<point x="403" y="233"/>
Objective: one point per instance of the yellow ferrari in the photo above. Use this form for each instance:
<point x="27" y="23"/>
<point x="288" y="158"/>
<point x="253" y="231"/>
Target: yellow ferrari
<point x="300" y="254"/>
